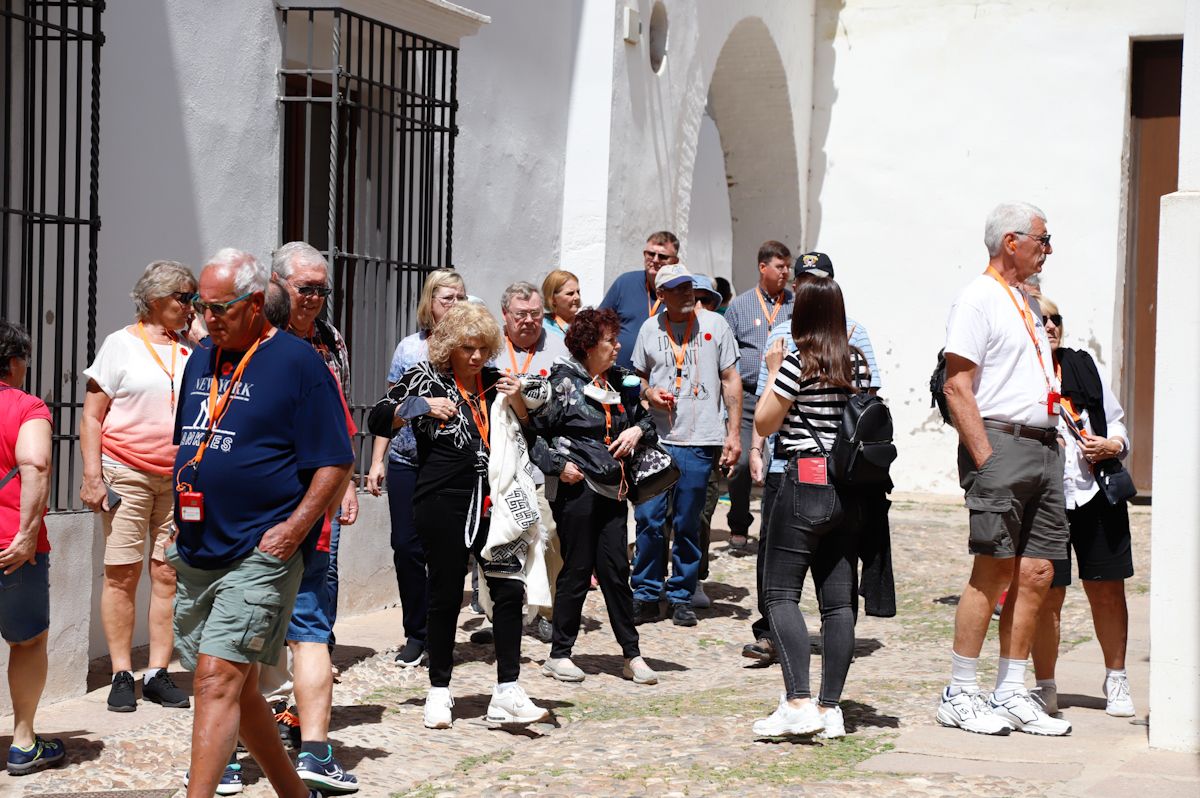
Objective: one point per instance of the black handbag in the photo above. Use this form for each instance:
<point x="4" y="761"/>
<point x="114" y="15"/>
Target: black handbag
<point x="650" y="471"/>
<point x="1114" y="481"/>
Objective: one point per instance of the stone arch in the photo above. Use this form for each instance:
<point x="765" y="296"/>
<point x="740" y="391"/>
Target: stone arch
<point x="748" y="99"/>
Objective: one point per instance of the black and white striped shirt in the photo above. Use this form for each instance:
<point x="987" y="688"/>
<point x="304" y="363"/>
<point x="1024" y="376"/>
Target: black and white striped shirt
<point x="819" y="402"/>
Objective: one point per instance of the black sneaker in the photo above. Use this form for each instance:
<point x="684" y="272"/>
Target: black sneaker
<point x="161" y="690"/>
<point x="644" y="612"/>
<point x="43" y="754"/>
<point x="288" y="724"/>
<point x="121" y="697"/>
<point x="541" y="629"/>
<point x="327" y="777"/>
<point x="762" y="650"/>
<point x="682" y="614"/>
<point x="412" y="655"/>
<point x="483" y="636"/>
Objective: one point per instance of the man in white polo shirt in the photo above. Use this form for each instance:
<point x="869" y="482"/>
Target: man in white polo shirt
<point x="1003" y="398"/>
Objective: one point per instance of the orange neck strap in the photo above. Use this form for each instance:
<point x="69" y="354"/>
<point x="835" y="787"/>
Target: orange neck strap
<point x="679" y="350"/>
<point x="512" y="355"/>
<point x="762" y="303"/>
<point x="480" y="413"/>
<point x="154" y="354"/>
<point x="1026" y="318"/>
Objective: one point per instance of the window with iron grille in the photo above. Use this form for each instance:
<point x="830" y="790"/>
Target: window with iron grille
<point x="49" y="221"/>
<point x="368" y="125"/>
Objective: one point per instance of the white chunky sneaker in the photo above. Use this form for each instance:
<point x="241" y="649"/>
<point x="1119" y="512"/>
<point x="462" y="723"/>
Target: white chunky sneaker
<point x="835" y="724"/>
<point x="639" y="672"/>
<point x="563" y="669"/>
<point x="786" y="720"/>
<point x="438" y="703"/>
<point x="1026" y="715"/>
<point x="1120" y="702"/>
<point x="513" y="706"/>
<point x="970" y="712"/>
<point x="1047" y="697"/>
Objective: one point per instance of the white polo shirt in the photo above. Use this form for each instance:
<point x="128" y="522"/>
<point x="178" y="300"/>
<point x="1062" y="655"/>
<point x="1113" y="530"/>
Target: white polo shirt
<point x="986" y="328"/>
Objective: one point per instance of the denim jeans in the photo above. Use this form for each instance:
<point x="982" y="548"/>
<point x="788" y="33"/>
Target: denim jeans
<point x="331" y="575"/>
<point x="686" y="502"/>
<point x="792" y="550"/>
<point x="740" y="485"/>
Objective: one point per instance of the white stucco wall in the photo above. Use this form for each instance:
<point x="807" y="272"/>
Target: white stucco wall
<point x="710" y="227"/>
<point x="926" y="114"/>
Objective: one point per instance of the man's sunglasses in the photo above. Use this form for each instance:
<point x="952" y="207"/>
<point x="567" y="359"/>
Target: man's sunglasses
<point x="1054" y="317"/>
<point x="218" y="309"/>
<point x="313" y="290"/>
<point x="662" y="256"/>
<point x="1044" y="239"/>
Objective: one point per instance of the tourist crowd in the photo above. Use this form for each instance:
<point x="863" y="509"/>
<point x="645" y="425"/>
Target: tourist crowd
<point x="216" y="439"/>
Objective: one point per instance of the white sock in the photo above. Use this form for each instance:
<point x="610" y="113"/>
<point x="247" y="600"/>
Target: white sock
<point x="1010" y="678"/>
<point x="1114" y="673"/>
<point x="150" y="674"/>
<point x="1047" y="684"/>
<point x="963" y="674"/>
<point x="504" y="687"/>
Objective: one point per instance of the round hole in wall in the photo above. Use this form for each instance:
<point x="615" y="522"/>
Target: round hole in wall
<point x="658" y="36"/>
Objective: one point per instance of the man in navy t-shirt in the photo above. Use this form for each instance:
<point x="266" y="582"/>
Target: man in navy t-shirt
<point x="262" y="455"/>
<point x="633" y="296"/>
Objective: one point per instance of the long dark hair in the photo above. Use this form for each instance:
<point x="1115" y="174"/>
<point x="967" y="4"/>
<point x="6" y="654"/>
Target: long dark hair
<point x="819" y="329"/>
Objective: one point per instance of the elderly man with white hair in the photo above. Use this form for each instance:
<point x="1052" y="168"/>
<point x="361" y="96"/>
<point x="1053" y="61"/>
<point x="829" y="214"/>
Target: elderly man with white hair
<point x="1003" y="397"/>
<point x="263" y="451"/>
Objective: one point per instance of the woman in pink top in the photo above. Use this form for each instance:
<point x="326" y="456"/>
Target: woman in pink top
<point x="128" y="457"/>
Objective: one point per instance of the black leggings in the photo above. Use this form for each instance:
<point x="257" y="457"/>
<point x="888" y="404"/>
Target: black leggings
<point x="408" y="555"/>
<point x="440" y="518"/>
<point x="592" y="536"/>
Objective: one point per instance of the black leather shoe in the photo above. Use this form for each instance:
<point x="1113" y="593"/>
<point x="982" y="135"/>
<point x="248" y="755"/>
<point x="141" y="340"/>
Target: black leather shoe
<point x="683" y="615"/>
<point x="644" y="612"/>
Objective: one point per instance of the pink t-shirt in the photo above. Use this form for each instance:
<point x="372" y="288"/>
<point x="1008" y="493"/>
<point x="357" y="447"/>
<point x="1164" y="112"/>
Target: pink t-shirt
<point x="16" y="407"/>
<point x="140" y="423"/>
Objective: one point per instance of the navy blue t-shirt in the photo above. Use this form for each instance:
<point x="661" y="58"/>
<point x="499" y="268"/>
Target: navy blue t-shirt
<point x="285" y="421"/>
<point x="632" y="302"/>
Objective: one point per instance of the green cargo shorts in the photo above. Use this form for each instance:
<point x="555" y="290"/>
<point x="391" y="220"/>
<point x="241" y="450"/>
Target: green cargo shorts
<point x="239" y="613"/>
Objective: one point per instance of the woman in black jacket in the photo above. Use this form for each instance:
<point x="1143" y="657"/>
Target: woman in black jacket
<point x="596" y="420"/>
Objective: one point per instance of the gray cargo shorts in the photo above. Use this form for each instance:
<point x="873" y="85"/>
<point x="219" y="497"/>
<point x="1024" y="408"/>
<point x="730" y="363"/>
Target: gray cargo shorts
<point x="1016" y="498"/>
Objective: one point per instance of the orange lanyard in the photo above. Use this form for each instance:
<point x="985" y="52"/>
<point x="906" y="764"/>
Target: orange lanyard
<point x="680" y="352"/>
<point x="770" y="317"/>
<point x="482" y="422"/>
<point x="154" y="354"/>
<point x="607" y="413"/>
<point x="512" y="355"/>
<point x="1026" y="319"/>
<point x="652" y="310"/>
<point x="218" y="406"/>
<point x="1068" y="405"/>
<point x="558" y="322"/>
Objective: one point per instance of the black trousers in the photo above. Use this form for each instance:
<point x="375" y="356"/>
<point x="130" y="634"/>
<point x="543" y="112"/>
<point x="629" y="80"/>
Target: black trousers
<point x="592" y="537"/>
<point x="408" y="555"/>
<point x="762" y="627"/>
<point x="440" y="519"/>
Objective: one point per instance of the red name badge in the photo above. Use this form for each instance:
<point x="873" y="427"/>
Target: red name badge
<point x="1052" y="400"/>
<point x="812" y="471"/>
<point x="191" y="506"/>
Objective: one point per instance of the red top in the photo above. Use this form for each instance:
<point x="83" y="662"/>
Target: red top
<point x="326" y="527"/>
<point x="16" y="407"/>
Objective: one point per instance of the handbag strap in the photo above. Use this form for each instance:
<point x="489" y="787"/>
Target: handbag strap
<point x="811" y="431"/>
<point x="8" y="477"/>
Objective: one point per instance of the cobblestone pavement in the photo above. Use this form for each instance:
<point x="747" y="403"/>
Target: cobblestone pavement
<point x="688" y="736"/>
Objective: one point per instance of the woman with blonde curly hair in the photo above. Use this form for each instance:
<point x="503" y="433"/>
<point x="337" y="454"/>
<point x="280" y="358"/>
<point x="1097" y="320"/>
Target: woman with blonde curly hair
<point x="446" y="400"/>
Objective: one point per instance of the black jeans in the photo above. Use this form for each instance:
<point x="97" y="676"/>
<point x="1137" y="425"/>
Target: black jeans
<point x="762" y="627"/>
<point x="592" y="537"/>
<point x="408" y="555"/>
<point x="440" y="518"/>
<point x="793" y="548"/>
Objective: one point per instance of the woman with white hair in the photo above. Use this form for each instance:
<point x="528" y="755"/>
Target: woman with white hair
<point x="125" y="439"/>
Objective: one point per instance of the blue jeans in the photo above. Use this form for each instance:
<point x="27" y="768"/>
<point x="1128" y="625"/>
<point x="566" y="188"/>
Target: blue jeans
<point x="25" y="601"/>
<point x="686" y="502"/>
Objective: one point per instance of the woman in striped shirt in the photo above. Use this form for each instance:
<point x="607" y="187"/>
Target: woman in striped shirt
<point x="814" y="524"/>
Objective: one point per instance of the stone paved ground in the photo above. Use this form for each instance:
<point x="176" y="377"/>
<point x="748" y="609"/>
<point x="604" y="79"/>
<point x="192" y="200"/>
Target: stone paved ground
<point x="687" y="736"/>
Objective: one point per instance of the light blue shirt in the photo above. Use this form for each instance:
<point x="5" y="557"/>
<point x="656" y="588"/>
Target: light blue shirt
<point x="409" y="352"/>
<point x="783" y="330"/>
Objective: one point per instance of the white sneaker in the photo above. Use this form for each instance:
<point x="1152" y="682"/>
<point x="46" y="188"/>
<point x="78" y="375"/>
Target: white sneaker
<point x="1026" y="715"/>
<point x="438" y="703"/>
<point x="639" y="672"/>
<point x="1120" y="702"/>
<point x="786" y="720"/>
<point x="1047" y="697"/>
<point x="835" y="724"/>
<point x="513" y="706"/>
<point x="700" y="600"/>
<point x="970" y="712"/>
<point x="563" y="669"/>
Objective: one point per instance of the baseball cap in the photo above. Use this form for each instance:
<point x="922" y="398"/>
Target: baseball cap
<point x="672" y="276"/>
<point x="703" y="282"/>
<point x="815" y="263"/>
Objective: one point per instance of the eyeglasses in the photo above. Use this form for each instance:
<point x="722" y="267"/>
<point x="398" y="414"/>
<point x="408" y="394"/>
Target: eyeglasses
<point x="183" y="297"/>
<point x="1054" y="317"/>
<point x="1043" y="239"/>
<point x="449" y="300"/>
<point x="313" y="290"/>
<point x="218" y="309"/>
<point x="527" y="315"/>
<point x="659" y="256"/>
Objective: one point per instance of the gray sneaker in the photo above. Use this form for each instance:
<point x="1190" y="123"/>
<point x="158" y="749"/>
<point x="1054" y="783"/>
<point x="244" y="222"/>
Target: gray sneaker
<point x="563" y="670"/>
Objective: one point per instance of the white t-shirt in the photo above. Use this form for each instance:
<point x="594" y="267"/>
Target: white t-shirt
<point x="985" y="328"/>
<point x="138" y="428"/>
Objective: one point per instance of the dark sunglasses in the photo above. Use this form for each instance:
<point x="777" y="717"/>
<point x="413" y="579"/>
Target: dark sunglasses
<point x="183" y="297"/>
<point x="1054" y="317"/>
<point x="1043" y="239"/>
<point x="313" y="290"/>
<point x="218" y="309"/>
<point x="656" y="255"/>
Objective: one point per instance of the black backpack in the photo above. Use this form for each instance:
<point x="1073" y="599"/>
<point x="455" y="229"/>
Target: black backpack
<point x="937" y="388"/>
<point x="863" y="451"/>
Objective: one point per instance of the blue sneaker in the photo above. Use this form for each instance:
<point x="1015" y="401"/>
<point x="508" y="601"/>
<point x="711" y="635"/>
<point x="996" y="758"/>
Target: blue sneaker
<point x="43" y="754"/>
<point x="231" y="780"/>
<point x="328" y="777"/>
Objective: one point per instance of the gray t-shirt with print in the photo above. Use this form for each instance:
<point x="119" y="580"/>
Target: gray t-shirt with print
<point x="698" y="418"/>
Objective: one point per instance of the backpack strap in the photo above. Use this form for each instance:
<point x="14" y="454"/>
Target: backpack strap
<point x="8" y="477"/>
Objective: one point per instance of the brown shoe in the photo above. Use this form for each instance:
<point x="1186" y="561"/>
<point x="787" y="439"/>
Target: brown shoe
<point x="761" y="650"/>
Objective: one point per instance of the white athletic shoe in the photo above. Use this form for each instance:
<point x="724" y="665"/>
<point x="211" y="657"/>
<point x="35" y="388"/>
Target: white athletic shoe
<point x="970" y="712"/>
<point x="835" y="724"/>
<point x="1120" y="702"/>
<point x="438" y="703"/>
<point x="563" y="669"/>
<point x="1026" y="715"/>
<point x="513" y="706"/>
<point x="786" y="720"/>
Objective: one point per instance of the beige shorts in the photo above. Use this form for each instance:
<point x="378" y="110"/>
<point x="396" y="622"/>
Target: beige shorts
<point x="146" y="511"/>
